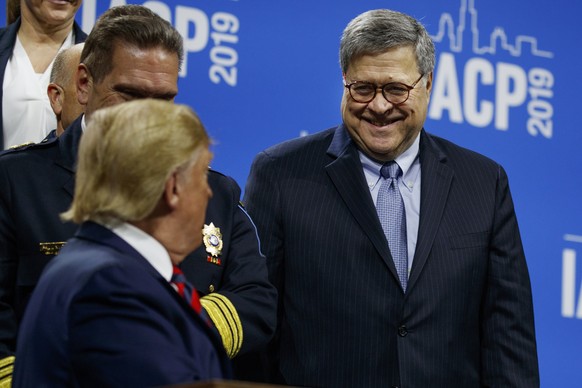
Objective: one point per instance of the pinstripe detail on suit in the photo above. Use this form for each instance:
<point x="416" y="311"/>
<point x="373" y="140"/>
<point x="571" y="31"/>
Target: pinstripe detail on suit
<point x="466" y="319"/>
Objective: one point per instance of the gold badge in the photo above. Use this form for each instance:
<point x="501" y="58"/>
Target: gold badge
<point x="212" y="239"/>
<point x="51" y="248"/>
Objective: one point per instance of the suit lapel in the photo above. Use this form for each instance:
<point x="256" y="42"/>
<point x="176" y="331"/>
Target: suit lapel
<point x="80" y="35"/>
<point x="347" y="175"/>
<point x="436" y="181"/>
<point x="6" y="45"/>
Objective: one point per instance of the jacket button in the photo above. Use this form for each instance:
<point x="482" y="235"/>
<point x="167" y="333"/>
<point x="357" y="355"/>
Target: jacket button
<point x="402" y="331"/>
<point x="211" y="288"/>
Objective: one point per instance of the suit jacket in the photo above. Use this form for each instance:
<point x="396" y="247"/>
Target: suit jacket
<point x="7" y="42"/>
<point x="37" y="185"/>
<point x="466" y="319"/>
<point x="109" y="319"/>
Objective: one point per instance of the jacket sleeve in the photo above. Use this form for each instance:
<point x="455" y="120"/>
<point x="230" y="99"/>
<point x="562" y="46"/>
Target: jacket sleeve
<point x="8" y="267"/>
<point x="243" y="309"/>
<point x="262" y="196"/>
<point x="508" y="346"/>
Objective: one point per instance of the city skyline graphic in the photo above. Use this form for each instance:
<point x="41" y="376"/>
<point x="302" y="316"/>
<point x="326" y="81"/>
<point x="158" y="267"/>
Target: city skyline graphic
<point x="498" y="40"/>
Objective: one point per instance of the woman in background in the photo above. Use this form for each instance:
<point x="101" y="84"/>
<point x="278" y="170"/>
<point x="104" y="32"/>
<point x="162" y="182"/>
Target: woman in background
<point x="28" y="46"/>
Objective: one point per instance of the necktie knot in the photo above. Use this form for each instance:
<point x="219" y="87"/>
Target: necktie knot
<point x="390" y="170"/>
<point x="177" y="275"/>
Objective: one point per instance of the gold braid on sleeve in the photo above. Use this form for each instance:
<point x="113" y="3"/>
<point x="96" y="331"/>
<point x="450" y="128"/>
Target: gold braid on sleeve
<point x="6" y="369"/>
<point x="226" y="320"/>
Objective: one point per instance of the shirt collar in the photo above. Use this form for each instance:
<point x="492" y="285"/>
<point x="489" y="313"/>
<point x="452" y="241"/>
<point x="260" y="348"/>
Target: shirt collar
<point x="83" y="123"/>
<point x="405" y="161"/>
<point x="150" y="248"/>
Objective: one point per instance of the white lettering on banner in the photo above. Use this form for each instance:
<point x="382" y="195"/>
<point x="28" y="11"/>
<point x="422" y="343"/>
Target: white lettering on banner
<point x="185" y="17"/>
<point x="508" y="84"/>
<point x="505" y="95"/>
<point x="539" y="107"/>
<point x="194" y="26"/>
<point x="477" y="114"/>
<point x="223" y="56"/>
<point x="446" y="95"/>
<point x="570" y="309"/>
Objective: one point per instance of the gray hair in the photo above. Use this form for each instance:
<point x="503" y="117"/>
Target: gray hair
<point x="376" y="31"/>
<point x="63" y="71"/>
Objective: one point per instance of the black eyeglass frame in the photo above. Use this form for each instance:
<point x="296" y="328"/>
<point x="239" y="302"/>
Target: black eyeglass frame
<point x="381" y="87"/>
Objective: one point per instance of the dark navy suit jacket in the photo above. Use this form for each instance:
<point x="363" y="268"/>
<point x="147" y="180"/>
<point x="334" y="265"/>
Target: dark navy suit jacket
<point x="7" y="42"/>
<point x="466" y="319"/>
<point x="102" y="316"/>
<point x="37" y="185"/>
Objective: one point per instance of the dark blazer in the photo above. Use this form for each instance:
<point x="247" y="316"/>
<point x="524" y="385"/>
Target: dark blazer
<point x="7" y="42"/>
<point x="37" y="185"/>
<point x="466" y="319"/>
<point x="102" y="316"/>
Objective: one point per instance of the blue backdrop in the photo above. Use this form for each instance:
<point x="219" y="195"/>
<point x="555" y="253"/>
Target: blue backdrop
<point x="263" y="71"/>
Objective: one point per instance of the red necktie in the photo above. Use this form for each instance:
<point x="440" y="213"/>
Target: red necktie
<point x="186" y="290"/>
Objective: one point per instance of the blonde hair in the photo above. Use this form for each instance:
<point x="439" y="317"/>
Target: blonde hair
<point x="126" y="155"/>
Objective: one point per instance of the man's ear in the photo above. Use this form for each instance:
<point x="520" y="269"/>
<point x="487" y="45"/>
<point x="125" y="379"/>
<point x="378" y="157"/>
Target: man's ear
<point x="55" y="95"/>
<point x="429" y="82"/>
<point x="84" y="84"/>
<point x="171" y="194"/>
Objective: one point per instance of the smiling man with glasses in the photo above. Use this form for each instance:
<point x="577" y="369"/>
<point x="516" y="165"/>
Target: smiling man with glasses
<point x="397" y="254"/>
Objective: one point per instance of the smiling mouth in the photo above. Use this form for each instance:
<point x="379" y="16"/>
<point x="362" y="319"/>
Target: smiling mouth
<point x="381" y="123"/>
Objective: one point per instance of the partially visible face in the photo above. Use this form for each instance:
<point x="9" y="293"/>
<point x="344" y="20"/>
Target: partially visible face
<point x="197" y="192"/>
<point x="51" y="12"/>
<point x="136" y="74"/>
<point x="381" y="129"/>
<point x="70" y="107"/>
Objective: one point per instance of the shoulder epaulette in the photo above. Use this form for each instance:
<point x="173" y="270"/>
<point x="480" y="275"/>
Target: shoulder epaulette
<point x="21" y="146"/>
<point x="210" y="169"/>
<point x="30" y="145"/>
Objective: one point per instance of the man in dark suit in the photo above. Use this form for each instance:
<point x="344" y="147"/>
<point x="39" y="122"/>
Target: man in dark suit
<point x="396" y="254"/>
<point x="38" y="184"/>
<point x="110" y="315"/>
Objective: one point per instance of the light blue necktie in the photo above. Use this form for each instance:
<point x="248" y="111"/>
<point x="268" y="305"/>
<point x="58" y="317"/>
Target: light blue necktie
<point x="390" y="208"/>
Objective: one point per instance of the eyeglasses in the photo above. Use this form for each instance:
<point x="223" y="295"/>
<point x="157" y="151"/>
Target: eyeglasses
<point x="395" y="93"/>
